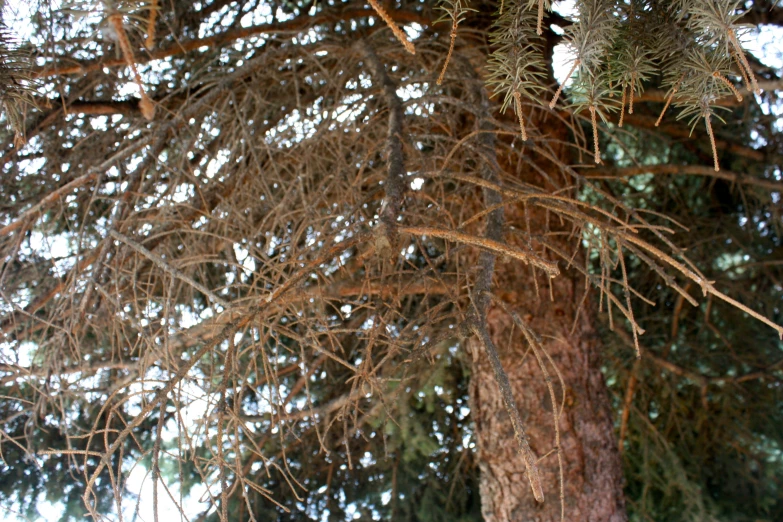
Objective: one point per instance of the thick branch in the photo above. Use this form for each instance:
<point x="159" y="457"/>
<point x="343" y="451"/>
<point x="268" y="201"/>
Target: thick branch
<point x="678" y="131"/>
<point x="395" y="178"/>
<point x="659" y="96"/>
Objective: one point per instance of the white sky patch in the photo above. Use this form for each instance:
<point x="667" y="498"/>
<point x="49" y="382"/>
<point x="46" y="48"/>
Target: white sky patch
<point x="218" y="161"/>
<point x="139" y="483"/>
<point x="413" y="30"/>
<point x="57" y="247"/>
<point x="562" y="60"/>
<point x="566" y="8"/>
<point x="261" y="15"/>
<point x="765" y="44"/>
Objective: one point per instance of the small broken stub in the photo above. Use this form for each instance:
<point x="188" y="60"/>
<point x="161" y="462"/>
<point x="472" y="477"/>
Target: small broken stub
<point x="383" y="244"/>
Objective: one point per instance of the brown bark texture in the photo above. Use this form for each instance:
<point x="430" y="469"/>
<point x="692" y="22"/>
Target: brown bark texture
<point x="555" y="311"/>
<point x="593" y="489"/>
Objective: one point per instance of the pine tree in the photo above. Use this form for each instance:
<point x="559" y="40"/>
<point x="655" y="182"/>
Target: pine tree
<point x="318" y="260"/>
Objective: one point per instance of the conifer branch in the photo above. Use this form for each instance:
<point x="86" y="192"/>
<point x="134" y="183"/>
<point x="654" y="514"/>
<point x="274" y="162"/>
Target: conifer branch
<point x="395" y="178"/>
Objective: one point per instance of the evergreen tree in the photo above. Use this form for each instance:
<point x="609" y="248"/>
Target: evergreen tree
<point x="294" y="260"/>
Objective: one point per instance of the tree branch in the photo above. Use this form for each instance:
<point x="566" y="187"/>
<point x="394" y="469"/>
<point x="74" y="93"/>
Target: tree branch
<point x="694" y="170"/>
<point x="212" y="42"/>
<point x="493" y="235"/>
<point x="678" y="131"/>
<point x="486" y="244"/>
<point x="174" y="272"/>
<point x="395" y="178"/>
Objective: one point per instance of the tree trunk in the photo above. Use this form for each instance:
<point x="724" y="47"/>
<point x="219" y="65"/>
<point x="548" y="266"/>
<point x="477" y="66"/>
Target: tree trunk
<point x="592" y="468"/>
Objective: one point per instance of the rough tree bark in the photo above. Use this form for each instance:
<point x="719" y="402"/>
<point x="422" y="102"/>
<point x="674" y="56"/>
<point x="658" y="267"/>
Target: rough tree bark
<point x="593" y="490"/>
<point x="593" y="472"/>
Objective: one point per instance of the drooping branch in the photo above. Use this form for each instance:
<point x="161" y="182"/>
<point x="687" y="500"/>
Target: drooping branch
<point x="187" y="365"/>
<point x="486" y="244"/>
<point x="493" y="234"/>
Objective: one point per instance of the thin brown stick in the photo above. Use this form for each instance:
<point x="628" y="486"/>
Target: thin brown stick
<point x="622" y="109"/>
<point x="633" y="91"/>
<point x="146" y="105"/>
<point x="398" y="33"/>
<point x="149" y="43"/>
<point x="596" y="150"/>
<point x="728" y="84"/>
<point x="453" y="36"/>
<point x="743" y="72"/>
<point x="738" y="48"/>
<point x="485" y="244"/>
<point x="552" y="103"/>
<point x="540" y="20"/>
<point x="669" y="99"/>
<point x="712" y="141"/>
<point x="518" y="106"/>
